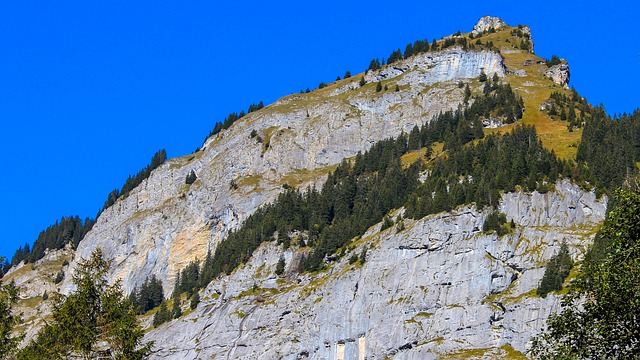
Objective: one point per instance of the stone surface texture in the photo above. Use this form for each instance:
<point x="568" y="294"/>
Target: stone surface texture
<point x="487" y="22"/>
<point x="440" y="286"/>
<point x="559" y="74"/>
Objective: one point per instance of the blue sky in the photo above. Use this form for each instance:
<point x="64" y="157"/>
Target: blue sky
<point x="90" y="90"/>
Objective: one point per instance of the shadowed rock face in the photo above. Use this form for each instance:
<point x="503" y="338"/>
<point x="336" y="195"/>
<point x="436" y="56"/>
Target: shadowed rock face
<point x="438" y="286"/>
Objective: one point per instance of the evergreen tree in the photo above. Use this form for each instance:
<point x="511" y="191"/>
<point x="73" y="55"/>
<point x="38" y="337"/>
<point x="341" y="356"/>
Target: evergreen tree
<point x="191" y="177"/>
<point x="8" y="320"/>
<point x="177" y="310"/>
<point x="600" y="317"/>
<point x="195" y="300"/>
<point x="374" y="64"/>
<point x="95" y="316"/>
<point x="556" y="272"/>
<point x="280" y="267"/>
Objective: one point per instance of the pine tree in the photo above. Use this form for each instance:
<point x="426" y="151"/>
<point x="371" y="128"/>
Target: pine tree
<point x="95" y="316"/>
<point x="195" y="300"/>
<point x="280" y="267"/>
<point x="8" y="320"/>
<point x="177" y="310"/>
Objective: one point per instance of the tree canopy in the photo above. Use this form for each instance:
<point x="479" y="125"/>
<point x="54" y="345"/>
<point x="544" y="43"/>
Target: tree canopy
<point x="95" y="320"/>
<point x="601" y="314"/>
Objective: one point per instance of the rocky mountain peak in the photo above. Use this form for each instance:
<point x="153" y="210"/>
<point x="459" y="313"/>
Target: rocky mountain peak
<point x="488" y="22"/>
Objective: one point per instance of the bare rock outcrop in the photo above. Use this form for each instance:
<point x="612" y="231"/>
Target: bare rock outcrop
<point x="559" y="74"/>
<point x="486" y="23"/>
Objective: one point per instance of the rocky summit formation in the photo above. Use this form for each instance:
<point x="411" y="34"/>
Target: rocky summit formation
<point x="438" y="286"/>
<point x="487" y="23"/>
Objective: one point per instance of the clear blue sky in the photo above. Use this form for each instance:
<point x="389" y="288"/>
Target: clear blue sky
<point x="89" y="90"/>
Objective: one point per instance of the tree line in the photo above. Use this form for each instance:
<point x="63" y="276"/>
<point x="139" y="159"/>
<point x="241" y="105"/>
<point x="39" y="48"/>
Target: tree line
<point x="232" y="118"/>
<point x="133" y="181"/>
<point x="360" y="192"/>
<point x="611" y="147"/>
<point x="68" y="230"/>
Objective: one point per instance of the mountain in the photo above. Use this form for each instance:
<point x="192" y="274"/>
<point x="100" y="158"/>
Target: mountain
<point x="407" y="287"/>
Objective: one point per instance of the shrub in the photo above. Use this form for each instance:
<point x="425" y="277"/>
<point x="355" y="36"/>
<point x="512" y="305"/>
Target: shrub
<point x="556" y="272"/>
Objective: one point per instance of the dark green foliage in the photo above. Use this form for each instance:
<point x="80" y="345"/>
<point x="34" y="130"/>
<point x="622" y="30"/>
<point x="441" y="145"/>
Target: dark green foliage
<point x="362" y="81"/>
<point x="189" y="277"/>
<point x="353" y="259"/>
<point x="415" y="140"/>
<point x="556" y="272"/>
<point x="162" y="316"/>
<point x="496" y="221"/>
<point x="378" y="86"/>
<point x="374" y="64"/>
<point x="363" y="256"/>
<point x="191" y="177"/>
<point x="397" y="88"/>
<point x="555" y="60"/>
<point x="322" y="85"/>
<point x="280" y="267"/>
<point x="347" y="74"/>
<point x="332" y="216"/>
<point x="601" y="314"/>
<point x="148" y="296"/>
<point x="477" y="173"/>
<point x="94" y="319"/>
<point x="195" y="300"/>
<point x="8" y="320"/>
<point x="482" y="77"/>
<point x="358" y="195"/>
<point x="387" y="222"/>
<point x="176" y="310"/>
<point x="233" y="117"/>
<point x="396" y="55"/>
<point x="59" y="277"/>
<point x="69" y="230"/>
<point x="610" y="147"/>
<point x="132" y="181"/>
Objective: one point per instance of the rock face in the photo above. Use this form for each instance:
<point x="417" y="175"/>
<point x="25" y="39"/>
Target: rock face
<point x="559" y="74"/>
<point x="164" y="223"/>
<point x="439" y="286"/>
<point x="448" y="65"/>
<point x="486" y="23"/>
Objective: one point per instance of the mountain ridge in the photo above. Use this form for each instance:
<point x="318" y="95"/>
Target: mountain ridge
<point x="165" y="223"/>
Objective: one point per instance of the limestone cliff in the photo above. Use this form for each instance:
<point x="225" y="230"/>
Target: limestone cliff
<point x="164" y="223"/>
<point x="440" y="286"/>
